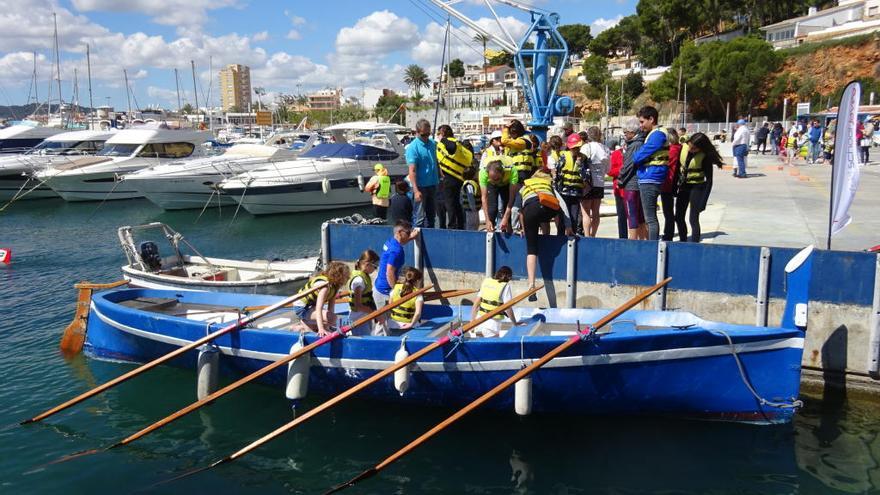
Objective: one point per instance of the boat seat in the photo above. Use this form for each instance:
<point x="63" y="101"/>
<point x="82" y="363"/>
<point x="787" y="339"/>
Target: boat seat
<point x="150" y="303"/>
<point x="531" y="327"/>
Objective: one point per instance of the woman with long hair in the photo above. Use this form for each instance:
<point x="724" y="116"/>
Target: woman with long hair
<point x="597" y="155"/>
<point x="695" y="183"/>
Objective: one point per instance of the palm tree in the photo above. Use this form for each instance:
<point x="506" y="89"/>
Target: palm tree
<point x="484" y="40"/>
<point x="416" y="78"/>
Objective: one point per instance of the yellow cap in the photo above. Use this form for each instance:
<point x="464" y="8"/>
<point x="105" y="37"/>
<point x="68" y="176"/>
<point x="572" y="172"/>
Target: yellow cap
<point x="377" y="167"/>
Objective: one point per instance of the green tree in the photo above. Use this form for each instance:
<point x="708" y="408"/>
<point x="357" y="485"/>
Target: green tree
<point x="455" y="68"/>
<point x="503" y="58"/>
<point x="416" y="78"/>
<point x="186" y="109"/>
<point x="576" y="36"/>
<point x="595" y="70"/>
<point x="633" y="86"/>
<point x="388" y="105"/>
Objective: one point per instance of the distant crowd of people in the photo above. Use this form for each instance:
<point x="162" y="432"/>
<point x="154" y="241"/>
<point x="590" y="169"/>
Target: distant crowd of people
<point x="810" y="142"/>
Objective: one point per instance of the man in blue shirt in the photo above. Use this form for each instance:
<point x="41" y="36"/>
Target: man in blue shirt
<point x="421" y="157"/>
<point x="652" y="162"/>
<point x="391" y="261"/>
<point x="815" y="134"/>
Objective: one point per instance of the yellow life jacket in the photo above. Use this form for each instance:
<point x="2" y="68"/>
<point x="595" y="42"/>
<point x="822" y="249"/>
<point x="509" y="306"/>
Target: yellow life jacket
<point x="478" y="198"/>
<point x="659" y="158"/>
<point x="531" y="187"/>
<point x="367" y="293"/>
<point x="384" y="191"/>
<point x="490" y="296"/>
<point x="692" y="173"/>
<point x="312" y="298"/>
<point x="403" y="313"/>
<point x="457" y="163"/>
<point x="522" y="159"/>
<point x="569" y="176"/>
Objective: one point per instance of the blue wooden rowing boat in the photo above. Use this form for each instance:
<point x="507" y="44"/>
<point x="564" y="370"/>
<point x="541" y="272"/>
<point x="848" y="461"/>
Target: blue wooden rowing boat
<point x="668" y="363"/>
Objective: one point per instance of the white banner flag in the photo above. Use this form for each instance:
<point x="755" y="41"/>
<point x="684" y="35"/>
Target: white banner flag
<point x="845" y="172"/>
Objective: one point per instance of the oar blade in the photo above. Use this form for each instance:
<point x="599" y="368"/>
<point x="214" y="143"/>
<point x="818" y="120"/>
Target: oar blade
<point x="369" y="473"/>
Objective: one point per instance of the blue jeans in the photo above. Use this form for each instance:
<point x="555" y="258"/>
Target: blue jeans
<point x="815" y="151"/>
<point x="740" y="151"/>
<point x="425" y="211"/>
<point x="649" y="194"/>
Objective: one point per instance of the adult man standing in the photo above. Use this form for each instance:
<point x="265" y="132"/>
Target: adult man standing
<point x="454" y="158"/>
<point x="391" y="261"/>
<point x="741" y="138"/>
<point x="652" y="162"/>
<point x="421" y="158"/>
<point x="814" y="135"/>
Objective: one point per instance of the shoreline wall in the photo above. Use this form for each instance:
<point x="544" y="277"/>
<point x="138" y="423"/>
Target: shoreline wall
<point x="735" y="284"/>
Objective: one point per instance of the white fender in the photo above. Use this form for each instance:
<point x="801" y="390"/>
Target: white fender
<point x="208" y="369"/>
<point x="361" y="182"/>
<point x="401" y="376"/>
<point x="325" y="185"/>
<point x="522" y="396"/>
<point x="298" y="373"/>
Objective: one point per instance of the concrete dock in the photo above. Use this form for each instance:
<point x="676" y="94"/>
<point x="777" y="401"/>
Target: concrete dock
<point x="781" y="205"/>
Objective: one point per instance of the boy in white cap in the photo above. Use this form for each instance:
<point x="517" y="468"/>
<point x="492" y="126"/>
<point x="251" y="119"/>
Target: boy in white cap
<point x="379" y="187"/>
<point x="491" y="152"/>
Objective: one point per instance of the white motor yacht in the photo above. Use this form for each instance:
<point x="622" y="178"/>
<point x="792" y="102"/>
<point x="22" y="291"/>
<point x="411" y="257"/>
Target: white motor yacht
<point x="22" y="137"/>
<point x="129" y="150"/>
<point x="17" y="170"/>
<point x="193" y="183"/>
<point x="328" y="176"/>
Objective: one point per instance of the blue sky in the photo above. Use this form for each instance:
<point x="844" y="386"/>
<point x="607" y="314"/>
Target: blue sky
<point x="291" y="47"/>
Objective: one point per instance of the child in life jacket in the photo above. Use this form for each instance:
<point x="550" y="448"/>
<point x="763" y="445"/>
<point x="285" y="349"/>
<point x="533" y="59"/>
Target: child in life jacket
<point x="406" y="315"/>
<point x="310" y="309"/>
<point x="494" y="292"/>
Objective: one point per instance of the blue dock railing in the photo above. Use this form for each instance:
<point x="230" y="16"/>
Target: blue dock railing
<point x="839" y="278"/>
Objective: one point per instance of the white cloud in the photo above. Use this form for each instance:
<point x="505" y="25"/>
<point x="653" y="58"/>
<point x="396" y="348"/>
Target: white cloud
<point x="381" y="32"/>
<point x="261" y="36"/>
<point x="430" y="49"/>
<point x="293" y="34"/>
<point x="185" y="13"/>
<point x="601" y="24"/>
<point x="297" y="20"/>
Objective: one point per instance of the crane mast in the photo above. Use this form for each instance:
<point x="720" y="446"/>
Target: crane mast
<point x="538" y="67"/>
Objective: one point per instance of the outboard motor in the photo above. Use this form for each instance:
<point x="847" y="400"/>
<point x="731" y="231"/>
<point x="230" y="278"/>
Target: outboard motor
<point x="149" y="252"/>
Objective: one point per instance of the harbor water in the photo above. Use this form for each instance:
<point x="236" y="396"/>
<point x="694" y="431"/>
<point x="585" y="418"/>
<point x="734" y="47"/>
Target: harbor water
<point x="832" y="447"/>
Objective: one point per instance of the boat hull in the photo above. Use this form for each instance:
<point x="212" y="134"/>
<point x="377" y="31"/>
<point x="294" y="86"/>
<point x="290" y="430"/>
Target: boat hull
<point x="294" y="198"/>
<point x="182" y="193"/>
<point x="99" y="186"/>
<point x="16" y="184"/>
<point x="683" y="373"/>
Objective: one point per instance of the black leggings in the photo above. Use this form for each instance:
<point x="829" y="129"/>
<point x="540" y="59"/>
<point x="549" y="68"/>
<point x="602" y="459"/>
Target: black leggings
<point x="451" y="198"/>
<point x="693" y="198"/>
<point x="492" y="194"/>
<point x="534" y="214"/>
<point x="667" y="200"/>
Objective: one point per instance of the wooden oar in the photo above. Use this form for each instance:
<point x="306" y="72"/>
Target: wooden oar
<point x="74" y="335"/>
<point x="500" y="387"/>
<point x="364" y="384"/>
<point x="248" y="309"/>
<point x="171" y="355"/>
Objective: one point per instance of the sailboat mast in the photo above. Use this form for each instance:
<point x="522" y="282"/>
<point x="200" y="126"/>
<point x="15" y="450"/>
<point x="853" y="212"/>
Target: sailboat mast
<point x="210" y="87"/>
<point x="75" y="93"/>
<point x="58" y="68"/>
<point x="177" y="85"/>
<point x="195" y="88"/>
<point x="89" y="69"/>
<point x="127" y="95"/>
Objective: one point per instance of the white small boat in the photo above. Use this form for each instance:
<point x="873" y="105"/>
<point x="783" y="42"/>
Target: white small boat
<point x="126" y="152"/>
<point x="147" y="268"/>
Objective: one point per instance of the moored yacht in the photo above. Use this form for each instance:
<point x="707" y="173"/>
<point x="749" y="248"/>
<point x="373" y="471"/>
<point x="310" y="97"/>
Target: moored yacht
<point x="22" y="137"/>
<point x="17" y="170"/>
<point x="193" y="183"/>
<point x="100" y="178"/>
<point x="328" y="176"/>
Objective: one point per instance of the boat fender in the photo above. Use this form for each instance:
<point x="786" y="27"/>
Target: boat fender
<point x="522" y="396"/>
<point x="401" y="376"/>
<point x="208" y="366"/>
<point x="325" y="185"/>
<point x="298" y="372"/>
<point x="361" y="182"/>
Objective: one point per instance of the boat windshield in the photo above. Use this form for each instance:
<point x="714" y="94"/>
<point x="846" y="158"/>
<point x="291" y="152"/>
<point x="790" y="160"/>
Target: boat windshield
<point x="118" y="149"/>
<point x="68" y="148"/>
<point x="51" y="147"/>
<point x="352" y="151"/>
